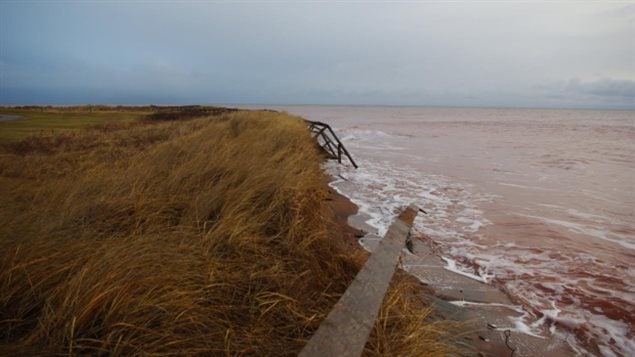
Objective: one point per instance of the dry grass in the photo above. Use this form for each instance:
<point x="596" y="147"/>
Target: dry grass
<point x="206" y="236"/>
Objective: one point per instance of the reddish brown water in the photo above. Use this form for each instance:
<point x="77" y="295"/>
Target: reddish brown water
<point x="538" y="202"/>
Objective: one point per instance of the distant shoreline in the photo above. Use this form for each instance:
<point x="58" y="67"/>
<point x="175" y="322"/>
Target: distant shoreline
<point x="278" y="105"/>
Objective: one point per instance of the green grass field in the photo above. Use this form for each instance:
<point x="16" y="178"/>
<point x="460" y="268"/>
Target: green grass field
<point x="48" y="122"/>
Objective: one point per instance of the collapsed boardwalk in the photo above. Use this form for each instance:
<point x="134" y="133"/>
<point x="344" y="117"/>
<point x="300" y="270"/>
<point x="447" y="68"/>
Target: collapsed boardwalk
<point x="345" y="330"/>
<point x="201" y="236"/>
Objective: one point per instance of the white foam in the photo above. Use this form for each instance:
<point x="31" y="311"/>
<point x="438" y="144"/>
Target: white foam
<point x="463" y="303"/>
<point x="526" y="187"/>
<point x="605" y="351"/>
<point x="522" y="327"/>
<point x="451" y="266"/>
<point x="615" y="335"/>
<point x="380" y="190"/>
<point x="590" y="216"/>
<point x="580" y="228"/>
<point x="548" y="318"/>
<point x="368" y="139"/>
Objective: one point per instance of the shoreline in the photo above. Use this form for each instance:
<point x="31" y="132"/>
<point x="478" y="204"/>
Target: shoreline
<point x="485" y="312"/>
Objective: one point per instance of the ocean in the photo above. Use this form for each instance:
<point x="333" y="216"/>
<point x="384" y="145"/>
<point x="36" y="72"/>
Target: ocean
<point x="538" y="202"/>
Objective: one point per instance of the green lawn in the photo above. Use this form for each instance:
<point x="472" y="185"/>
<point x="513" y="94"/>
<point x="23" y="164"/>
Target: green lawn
<point x="54" y="121"/>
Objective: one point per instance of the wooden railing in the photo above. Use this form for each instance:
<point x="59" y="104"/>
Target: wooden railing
<point x="327" y="139"/>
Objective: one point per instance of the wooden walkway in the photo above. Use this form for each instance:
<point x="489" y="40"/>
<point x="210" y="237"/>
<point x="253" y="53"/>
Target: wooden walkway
<point x="326" y="138"/>
<point x="345" y="330"/>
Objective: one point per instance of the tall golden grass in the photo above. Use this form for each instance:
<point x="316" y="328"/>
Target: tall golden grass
<point x="205" y="236"/>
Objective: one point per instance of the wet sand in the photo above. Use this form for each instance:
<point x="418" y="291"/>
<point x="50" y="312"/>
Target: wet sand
<point x="342" y="208"/>
<point x="488" y="313"/>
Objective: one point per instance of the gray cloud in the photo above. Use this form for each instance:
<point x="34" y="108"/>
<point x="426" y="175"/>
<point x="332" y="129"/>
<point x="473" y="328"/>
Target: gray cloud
<point x="429" y="53"/>
<point x="606" y="87"/>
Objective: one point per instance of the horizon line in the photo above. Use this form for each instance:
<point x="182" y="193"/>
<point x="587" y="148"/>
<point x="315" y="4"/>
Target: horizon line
<point x="622" y="108"/>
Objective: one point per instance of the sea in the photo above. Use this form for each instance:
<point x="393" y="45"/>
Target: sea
<point x="537" y="202"/>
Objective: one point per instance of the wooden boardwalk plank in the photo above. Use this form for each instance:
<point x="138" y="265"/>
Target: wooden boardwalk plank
<point x="345" y="330"/>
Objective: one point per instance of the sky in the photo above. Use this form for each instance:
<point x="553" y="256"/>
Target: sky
<point x="462" y="53"/>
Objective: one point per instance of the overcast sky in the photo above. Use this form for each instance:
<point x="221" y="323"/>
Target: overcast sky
<point x="538" y="54"/>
